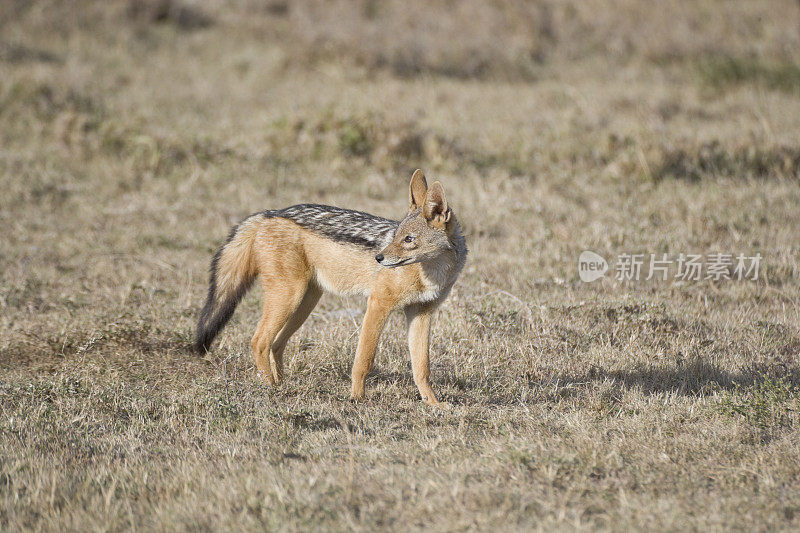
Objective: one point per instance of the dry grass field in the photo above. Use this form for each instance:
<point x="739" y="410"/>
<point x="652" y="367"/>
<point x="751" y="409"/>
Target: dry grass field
<point x="133" y="134"/>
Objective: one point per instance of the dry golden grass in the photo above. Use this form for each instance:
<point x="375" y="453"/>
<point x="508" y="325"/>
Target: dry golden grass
<point x="133" y="134"/>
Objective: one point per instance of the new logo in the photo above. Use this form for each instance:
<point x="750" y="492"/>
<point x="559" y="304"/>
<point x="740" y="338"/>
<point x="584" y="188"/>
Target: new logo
<point x="591" y="266"/>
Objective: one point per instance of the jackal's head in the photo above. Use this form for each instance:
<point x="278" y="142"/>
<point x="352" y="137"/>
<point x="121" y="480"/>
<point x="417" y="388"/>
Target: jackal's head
<point x="427" y="231"/>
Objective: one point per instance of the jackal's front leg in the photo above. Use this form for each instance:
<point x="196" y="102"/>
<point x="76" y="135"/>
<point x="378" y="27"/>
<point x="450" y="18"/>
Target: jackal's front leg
<point x="419" y="332"/>
<point x="374" y="320"/>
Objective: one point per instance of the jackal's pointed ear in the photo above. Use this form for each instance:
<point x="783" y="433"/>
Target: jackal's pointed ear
<point x="417" y="190"/>
<point x="435" y="209"/>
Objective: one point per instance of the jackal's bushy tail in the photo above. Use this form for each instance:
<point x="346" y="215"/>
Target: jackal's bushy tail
<point x="232" y="273"/>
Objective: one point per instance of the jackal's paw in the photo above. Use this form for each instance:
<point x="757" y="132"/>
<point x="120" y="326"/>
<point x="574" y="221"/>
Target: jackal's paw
<point x="444" y="406"/>
<point x="266" y="376"/>
<point x="357" y="398"/>
<point x="433" y="402"/>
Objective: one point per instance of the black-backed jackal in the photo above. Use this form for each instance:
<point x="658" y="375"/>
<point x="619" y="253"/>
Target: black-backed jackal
<point x="300" y="251"/>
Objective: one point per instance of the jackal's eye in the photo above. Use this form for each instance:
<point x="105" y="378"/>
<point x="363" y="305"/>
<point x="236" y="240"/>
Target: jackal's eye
<point x="408" y="238"/>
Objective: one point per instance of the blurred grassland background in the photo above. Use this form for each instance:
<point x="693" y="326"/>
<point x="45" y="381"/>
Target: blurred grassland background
<point x="134" y="133"/>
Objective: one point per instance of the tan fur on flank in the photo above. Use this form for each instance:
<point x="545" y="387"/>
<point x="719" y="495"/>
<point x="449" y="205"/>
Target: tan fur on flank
<point x="414" y="271"/>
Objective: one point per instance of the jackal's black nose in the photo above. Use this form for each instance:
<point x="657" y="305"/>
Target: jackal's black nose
<point x="379" y="258"/>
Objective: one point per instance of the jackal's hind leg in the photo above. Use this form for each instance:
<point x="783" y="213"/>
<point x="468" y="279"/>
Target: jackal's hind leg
<point x="281" y="299"/>
<point x="307" y="304"/>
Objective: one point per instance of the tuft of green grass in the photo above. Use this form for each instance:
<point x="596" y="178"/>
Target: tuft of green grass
<point x="769" y="407"/>
<point x="721" y="71"/>
<point x="354" y="139"/>
<point x="713" y="159"/>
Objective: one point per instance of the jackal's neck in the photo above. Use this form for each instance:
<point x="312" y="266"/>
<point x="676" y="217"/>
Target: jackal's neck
<point x="459" y="244"/>
<point x="442" y="272"/>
